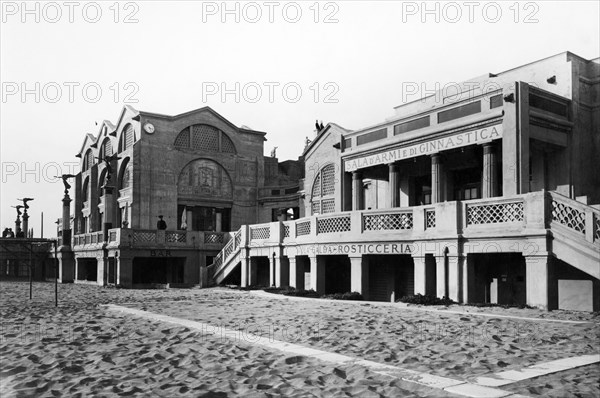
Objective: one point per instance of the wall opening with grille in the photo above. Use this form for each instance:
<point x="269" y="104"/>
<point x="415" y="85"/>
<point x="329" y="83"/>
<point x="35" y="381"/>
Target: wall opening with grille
<point x="322" y="199"/>
<point x="202" y="137"/>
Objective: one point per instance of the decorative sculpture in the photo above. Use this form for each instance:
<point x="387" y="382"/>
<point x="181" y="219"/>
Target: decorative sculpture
<point x="65" y="177"/>
<point x="18" y="207"/>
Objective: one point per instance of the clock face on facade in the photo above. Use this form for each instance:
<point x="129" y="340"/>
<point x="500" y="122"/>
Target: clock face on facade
<point x="149" y="128"/>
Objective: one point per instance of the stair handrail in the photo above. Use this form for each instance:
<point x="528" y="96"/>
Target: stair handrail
<point x="221" y="260"/>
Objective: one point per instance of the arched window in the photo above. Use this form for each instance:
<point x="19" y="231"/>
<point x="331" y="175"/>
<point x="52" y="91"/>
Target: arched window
<point x="127" y="177"/>
<point x="102" y="182"/>
<point x="202" y="137"/>
<point x="127" y="138"/>
<point x="88" y="160"/>
<point x="106" y="148"/>
<point x="323" y="190"/>
<point x="85" y="192"/>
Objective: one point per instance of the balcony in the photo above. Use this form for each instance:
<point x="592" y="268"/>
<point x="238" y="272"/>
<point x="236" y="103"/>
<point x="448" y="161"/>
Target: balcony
<point x="141" y="238"/>
<point x="518" y="222"/>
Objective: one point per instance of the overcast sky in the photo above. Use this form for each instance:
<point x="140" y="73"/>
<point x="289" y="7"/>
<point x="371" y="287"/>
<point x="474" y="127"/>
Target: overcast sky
<point x="65" y="66"/>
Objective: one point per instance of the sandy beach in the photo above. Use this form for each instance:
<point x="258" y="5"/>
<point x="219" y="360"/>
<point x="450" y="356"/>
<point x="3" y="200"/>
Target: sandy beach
<point x="82" y="349"/>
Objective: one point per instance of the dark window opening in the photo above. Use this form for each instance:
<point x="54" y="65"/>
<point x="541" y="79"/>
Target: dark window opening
<point x="372" y="136"/>
<point x="202" y="218"/>
<point x="460" y="111"/>
<point x="545" y="104"/>
<point x="412" y="125"/>
<point x="496" y="101"/>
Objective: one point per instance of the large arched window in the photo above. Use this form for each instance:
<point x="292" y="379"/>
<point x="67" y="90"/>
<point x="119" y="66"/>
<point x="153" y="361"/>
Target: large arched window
<point x="202" y="137"/>
<point x="102" y="182"/>
<point x="323" y="190"/>
<point x="85" y="191"/>
<point x="88" y="160"/>
<point x="126" y="174"/>
<point x="106" y="148"/>
<point x="127" y="138"/>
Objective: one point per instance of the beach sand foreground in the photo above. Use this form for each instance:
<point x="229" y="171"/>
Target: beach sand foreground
<point x="81" y="348"/>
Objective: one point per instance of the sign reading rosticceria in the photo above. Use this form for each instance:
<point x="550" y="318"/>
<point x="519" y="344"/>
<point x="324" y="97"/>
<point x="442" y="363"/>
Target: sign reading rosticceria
<point x="461" y="139"/>
<point x="355" y="248"/>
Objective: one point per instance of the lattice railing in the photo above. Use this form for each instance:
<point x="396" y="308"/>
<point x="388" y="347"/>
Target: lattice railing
<point x="568" y="216"/>
<point x="88" y="239"/>
<point x="429" y="218"/>
<point x="175" y="237"/>
<point x="391" y="221"/>
<point x="100" y="237"/>
<point x="260" y="233"/>
<point x="333" y="224"/>
<point x="144" y="236"/>
<point x="237" y="238"/>
<point x="494" y="213"/>
<point x="228" y="249"/>
<point x="286" y="230"/>
<point x="596" y="227"/>
<point x="213" y="237"/>
<point x="303" y="228"/>
<point x="94" y="238"/>
<point x="218" y="261"/>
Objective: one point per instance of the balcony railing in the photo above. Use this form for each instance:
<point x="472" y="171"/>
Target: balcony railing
<point x="515" y="215"/>
<point x="125" y="237"/>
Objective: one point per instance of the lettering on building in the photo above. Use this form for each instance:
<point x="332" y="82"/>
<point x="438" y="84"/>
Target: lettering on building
<point x="462" y="139"/>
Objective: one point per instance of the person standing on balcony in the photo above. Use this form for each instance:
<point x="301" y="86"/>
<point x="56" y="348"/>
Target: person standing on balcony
<point x="161" y="224"/>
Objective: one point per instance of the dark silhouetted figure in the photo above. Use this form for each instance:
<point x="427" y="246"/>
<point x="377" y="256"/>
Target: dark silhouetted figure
<point x="317" y="126"/>
<point x="161" y="224"/>
<point x="5" y="233"/>
<point x="321" y="127"/>
<point x="65" y="177"/>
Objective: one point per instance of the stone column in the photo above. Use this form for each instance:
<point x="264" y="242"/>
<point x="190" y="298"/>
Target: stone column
<point x="124" y="271"/>
<point x="455" y="279"/>
<point x="440" y="271"/>
<point x="317" y="274"/>
<point x="296" y="273"/>
<point x="17" y="225"/>
<point x="490" y="166"/>
<point x="102" y="269"/>
<point x="357" y="191"/>
<point x="282" y="275"/>
<point x="419" y="275"/>
<point x="437" y="186"/>
<point x="245" y="264"/>
<point x="26" y="223"/>
<point x="359" y="276"/>
<point x="468" y="278"/>
<point x="66" y="221"/>
<point x="108" y="211"/>
<point x="394" y="185"/>
<point x="274" y="270"/>
<point x="541" y="284"/>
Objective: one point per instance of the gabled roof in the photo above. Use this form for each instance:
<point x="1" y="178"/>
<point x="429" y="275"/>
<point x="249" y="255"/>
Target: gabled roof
<point x="322" y="134"/>
<point x="126" y="108"/>
<point x="88" y="137"/>
<point x="199" y="110"/>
